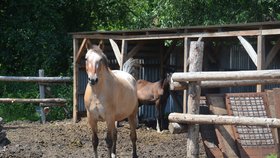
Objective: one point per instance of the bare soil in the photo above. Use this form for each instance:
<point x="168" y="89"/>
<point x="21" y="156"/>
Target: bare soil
<point x="73" y="140"/>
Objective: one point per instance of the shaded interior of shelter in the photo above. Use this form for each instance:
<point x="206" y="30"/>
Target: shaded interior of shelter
<point x="226" y="55"/>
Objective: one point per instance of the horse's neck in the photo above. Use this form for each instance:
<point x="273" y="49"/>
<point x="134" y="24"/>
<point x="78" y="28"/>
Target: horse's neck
<point x="105" y="79"/>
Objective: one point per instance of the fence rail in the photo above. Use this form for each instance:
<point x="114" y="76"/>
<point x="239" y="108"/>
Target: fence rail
<point x="41" y="80"/>
<point x="35" y="79"/>
<point x="21" y="100"/>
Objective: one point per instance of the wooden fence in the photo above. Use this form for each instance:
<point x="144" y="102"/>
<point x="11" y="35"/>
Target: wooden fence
<point x="194" y="80"/>
<point x="42" y="81"/>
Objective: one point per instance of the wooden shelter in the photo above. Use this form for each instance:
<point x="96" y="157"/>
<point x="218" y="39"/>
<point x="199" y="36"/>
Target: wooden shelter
<point x="260" y="40"/>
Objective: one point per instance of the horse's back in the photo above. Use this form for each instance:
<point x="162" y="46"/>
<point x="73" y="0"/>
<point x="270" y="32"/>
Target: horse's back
<point x="124" y="76"/>
<point x="126" y="95"/>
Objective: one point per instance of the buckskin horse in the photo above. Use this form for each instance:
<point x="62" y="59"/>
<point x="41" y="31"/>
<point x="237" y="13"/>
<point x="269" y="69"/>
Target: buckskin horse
<point x="154" y="93"/>
<point x="110" y="96"/>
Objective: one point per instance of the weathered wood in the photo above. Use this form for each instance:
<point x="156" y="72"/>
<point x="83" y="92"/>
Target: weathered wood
<point x="123" y="53"/>
<point x="224" y="133"/>
<point x="196" y="57"/>
<point x="81" y="50"/>
<point x="226" y="75"/>
<point x="35" y="79"/>
<point x="232" y="83"/>
<point x="153" y="36"/>
<point x="260" y="58"/>
<point x="186" y="55"/>
<point x="20" y="100"/>
<point x="202" y="35"/>
<point x="176" y="128"/>
<point x="223" y="120"/>
<point x="248" y="47"/>
<point x="75" y="81"/>
<point x="116" y="50"/>
<point x="42" y="96"/>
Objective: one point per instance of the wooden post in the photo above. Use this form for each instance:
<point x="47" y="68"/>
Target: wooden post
<point x="42" y="96"/>
<point x="186" y="54"/>
<point x="196" y="57"/>
<point x="123" y="53"/>
<point x="75" y="80"/>
<point x="260" y="58"/>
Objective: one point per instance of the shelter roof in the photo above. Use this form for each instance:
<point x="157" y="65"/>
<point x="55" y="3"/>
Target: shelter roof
<point x="120" y="34"/>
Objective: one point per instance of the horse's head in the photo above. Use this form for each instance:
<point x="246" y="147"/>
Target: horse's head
<point x="165" y="81"/>
<point x="96" y="61"/>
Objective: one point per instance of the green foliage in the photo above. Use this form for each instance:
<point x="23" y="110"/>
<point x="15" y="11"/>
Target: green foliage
<point x="18" y="111"/>
<point x="57" y="112"/>
<point x="34" y="34"/>
<point x="271" y="156"/>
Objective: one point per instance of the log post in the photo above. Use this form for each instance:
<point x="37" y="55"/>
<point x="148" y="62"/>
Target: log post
<point x="260" y="58"/>
<point x="196" y="57"/>
<point x="75" y="80"/>
<point x="42" y="96"/>
<point x="186" y="54"/>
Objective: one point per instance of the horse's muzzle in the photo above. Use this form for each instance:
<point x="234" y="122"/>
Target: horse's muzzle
<point x="92" y="81"/>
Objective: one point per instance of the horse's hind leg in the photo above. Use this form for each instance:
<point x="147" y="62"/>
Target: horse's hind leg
<point x="133" y="136"/>
<point x="158" y="117"/>
<point x="93" y="126"/>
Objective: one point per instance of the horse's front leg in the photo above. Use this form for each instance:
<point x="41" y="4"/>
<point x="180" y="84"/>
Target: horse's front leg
<point x="93" y="126"/>
<point x="111" y="138"/>
<point x="132" y="120"/>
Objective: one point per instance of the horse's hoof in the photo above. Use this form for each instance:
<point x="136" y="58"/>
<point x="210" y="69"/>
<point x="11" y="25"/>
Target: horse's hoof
<point x="113" y="155"/>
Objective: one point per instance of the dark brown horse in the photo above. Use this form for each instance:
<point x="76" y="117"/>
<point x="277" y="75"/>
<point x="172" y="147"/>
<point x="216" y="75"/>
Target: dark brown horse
<point x="154" y="93"/>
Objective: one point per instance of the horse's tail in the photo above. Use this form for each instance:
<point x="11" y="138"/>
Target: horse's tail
<point x="132" y="66"/>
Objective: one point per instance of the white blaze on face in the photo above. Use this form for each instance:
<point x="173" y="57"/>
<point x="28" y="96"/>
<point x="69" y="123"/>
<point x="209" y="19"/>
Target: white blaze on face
<point x="92" y="62"/>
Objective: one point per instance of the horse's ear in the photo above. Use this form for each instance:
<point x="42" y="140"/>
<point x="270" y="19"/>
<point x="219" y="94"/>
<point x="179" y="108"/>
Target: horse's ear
<point x="88" y="44"/>
<point x="101" y="45"/>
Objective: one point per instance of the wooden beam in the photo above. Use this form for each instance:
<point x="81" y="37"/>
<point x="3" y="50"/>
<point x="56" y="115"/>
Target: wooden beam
<point x="260" y="58"/>
<point x="223" y="120"/>
<point x="181" y="35"/>
<point x="231" y="83"/>
<point x="226" y="75"/>
<point x="35" y="79"/>
<point x="81" y="50"/>
<point x="248" y="47"/>
<point x="42" y="100"/>
<point x="272" y="53"/>
<point x="116" y="50"/>
<point x="123" y="53"/>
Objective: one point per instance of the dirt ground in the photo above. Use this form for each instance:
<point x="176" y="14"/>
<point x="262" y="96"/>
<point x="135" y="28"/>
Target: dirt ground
<point x="73" y="140"/>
